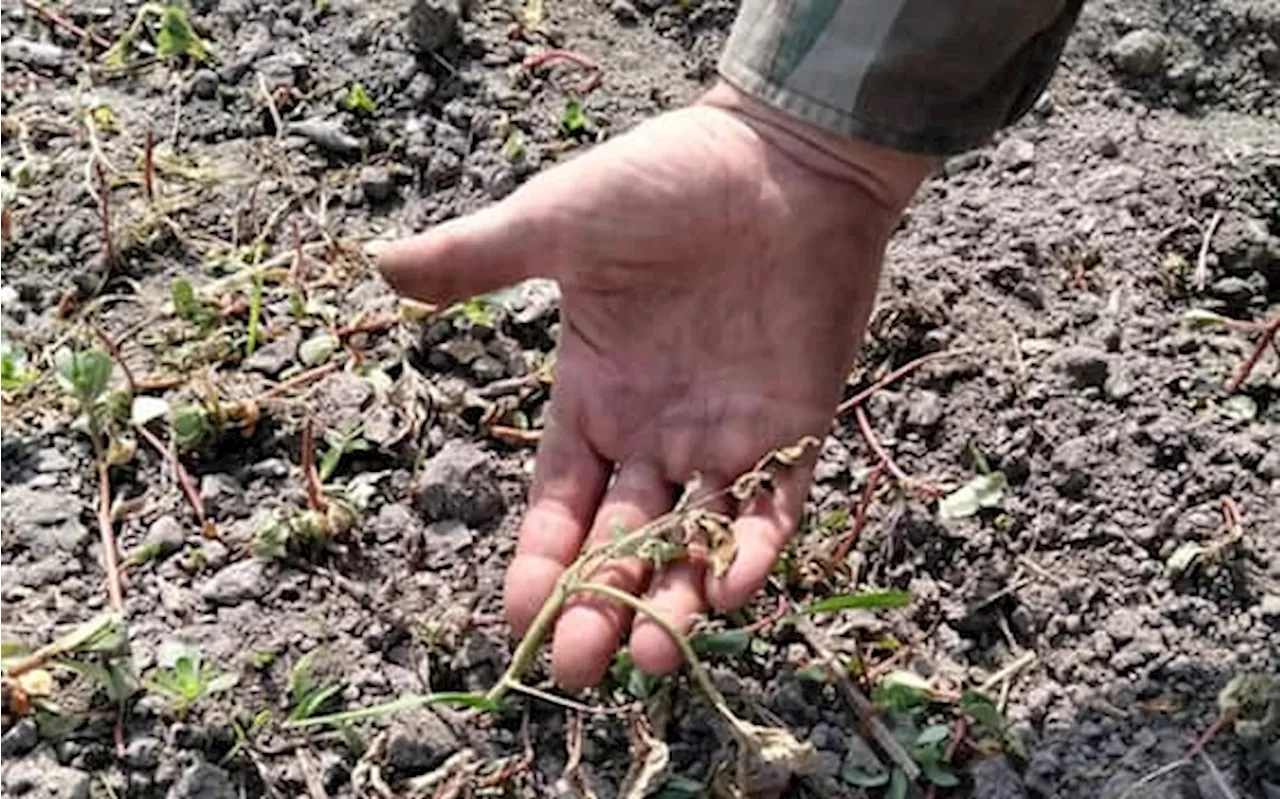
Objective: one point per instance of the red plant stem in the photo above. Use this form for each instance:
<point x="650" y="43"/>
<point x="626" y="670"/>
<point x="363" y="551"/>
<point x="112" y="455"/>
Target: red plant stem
<point x="958" y="733"/>
<point x="897" y="374"/>
<point x="104" y="212"/>
<point x="180" y="473"/>
<point x="149" y="171"/>
<point x="59" y="21"/>
<point x="315" y="495"/>
<point x="869" y="435"/>
<point x="1231" y="514"/>
<point x="113" y="349"/>
<point x="514" y="435"/>
<point x="303" y="378"/>
<point x="374" y="325"/>
<point x="547" y="56"/>
<point x="1203" y="741"/>
<point x="764" y="621"/>
<point x="859" y="516"/>
<point x="1268" y="338"/>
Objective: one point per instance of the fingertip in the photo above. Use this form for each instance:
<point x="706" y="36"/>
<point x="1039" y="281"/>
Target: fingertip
<point x="583" y="646"/>
<point x="530" y="580"/>
<point x="759" y="542"/>
<point x="653" y="650"/>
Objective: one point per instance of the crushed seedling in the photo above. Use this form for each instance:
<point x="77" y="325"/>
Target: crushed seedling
<point x="188" y="681"/>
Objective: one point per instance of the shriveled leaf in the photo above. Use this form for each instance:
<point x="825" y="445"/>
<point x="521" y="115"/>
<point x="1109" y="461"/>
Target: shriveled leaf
<point x="146" y="409"/>
<point x="775" y="746"/>
<point x="983" y="491"/>
<point x="650" y="762"/>
<point x="36" y="682"/>
<point x="865" y="600"/>
<point x="1200" y="319"/>
<point x="1184" y="557"/>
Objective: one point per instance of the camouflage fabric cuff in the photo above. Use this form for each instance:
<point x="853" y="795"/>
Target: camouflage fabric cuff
<point x="924" y="76"/>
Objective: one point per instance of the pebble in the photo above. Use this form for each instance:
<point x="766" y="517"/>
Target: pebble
<point x="274" y="357"/>
<point x="237" y="583"/>
<point x="203" y="781"/>
<point x="924" y="409"/>
<point x="19" y="739"/>
<point x="1014" y="154"/>
<point x="328" y="136"/>
<point x="1086" y="366"/>
<point x="33" y="53"/>
<point x="41" y="777"/>
<point x="1140" y="52"/>
<point x="458" y="482"/>
<point x="433" y="24"/>
<point x="222" y="496"/>
<point x="44" y="521"/>
<point x="995" y="778"/>
<point x="377" y="185"/>
<point x="1070" y="465"/>
<point x="1110" y="183"/>
<point x="623" y="11"/>
<point x="203" y="84"/>
<point x="144" y="752"/>
<point x="419" y="742"/>
<point x="1235" y="291"/>
<point x="166" y="535"/>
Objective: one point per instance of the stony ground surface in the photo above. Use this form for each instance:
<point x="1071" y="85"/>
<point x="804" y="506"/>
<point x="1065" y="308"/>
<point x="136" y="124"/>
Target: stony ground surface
<point x="1063" y="258"/>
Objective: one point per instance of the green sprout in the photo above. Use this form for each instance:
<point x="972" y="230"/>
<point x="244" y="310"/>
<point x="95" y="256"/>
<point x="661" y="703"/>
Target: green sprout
<point x="341" y="442"/>
<point x="15" y="373"/>
<point x="574" y="121"/>
<point x="357" y="101"/>
<point x="188" y="681"/>
<point x="306" y="698"/>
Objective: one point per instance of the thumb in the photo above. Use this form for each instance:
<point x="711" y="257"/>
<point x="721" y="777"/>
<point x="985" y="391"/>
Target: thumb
<point x="465" y="257"/>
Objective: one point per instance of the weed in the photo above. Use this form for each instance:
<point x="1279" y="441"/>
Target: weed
<point x="357" y="101"/>
<point x="246" y="729"/>
<point x="15" y="373"/>
<point x="188" y="681"/>
<point x="306" y="698"/>
<point x="574" y="121"/>
<point x="514" y="149"/>
<point x="188" y="306"/>
<point x="341" y="442"/>
<point x="176" y="38"/>
<point x="255" y="316"/>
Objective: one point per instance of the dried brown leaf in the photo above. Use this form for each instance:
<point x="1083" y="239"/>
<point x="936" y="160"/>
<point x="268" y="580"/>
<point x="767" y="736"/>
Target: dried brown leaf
<point x="650" y="763"/>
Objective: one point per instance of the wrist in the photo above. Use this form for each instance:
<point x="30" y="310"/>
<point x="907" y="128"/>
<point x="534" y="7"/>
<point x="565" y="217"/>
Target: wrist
<point x="890" y="176"/>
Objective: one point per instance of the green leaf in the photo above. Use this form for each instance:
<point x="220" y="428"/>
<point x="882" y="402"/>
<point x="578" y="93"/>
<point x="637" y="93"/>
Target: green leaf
<point x="317" y="349"/>
<point x="983" y="491"/>
<point x="1200" y="319"/>
<point x="255" y="316"/>
<point x="404" y="703"/>
<point x="15" y="375"/>
<point x="312" y="702"/>
<point x="176" y="38"/>
<point x="191" y="427"/>
<point x="933" y="735"/>
<point x="84" y="375"/>
<point x="574" y="121"/>
<point x="722" y="642"/>
<point x="902" y="692"/>
<point x="513" y="149"/>
<point x="897" y="785"/>
<point x="223" y="682"/>
<point x="357" y="101"/>
<point x="981" y="709"/>
<point x="679" y="786"/>
<point x="939" y="775"/>
<point x="866" y="600"/>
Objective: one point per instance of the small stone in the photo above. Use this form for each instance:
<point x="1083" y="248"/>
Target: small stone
<point x="1086" y="366"/>
<point x="377" y="185"/>
<point x="1140" y="52"/>
<point x="166" y="535"/>
<point x="214" y="554"/>
<point x="433" y="24"/>
<point x="1014" y="154"/>
<point x="1269" y="466"/>
<point x="995" y="778"/>
<point x="19" y="739"/>
<point x="274" y="357"/>
<point x="1270" y="606"/>
<point x="1110" y="184"/>
<point x="204" y="84"/>
<point x="1184" y="74"/>
<point x="1106" y="146"/>
<point x="419" y="742"/>
<point x="237" y="583"/>
<point x="203" y="781"/>
<point x="458" y="482"/>
<point x="1071" y="466"/>
<point x="33" y="53"/>
<point x="1235" y="291"/>
<point x="41" y="777"/>
<point x="924" y="409"/>
<point x="50" y="460"/>
<point x="143" y="752"/>
<point x="222" y="496"/>
<point x="624" y="12"/>
<point x="328" y="136"/>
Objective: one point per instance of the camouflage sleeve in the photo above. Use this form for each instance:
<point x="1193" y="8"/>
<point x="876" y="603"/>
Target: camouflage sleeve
<point x="925" y="76"/>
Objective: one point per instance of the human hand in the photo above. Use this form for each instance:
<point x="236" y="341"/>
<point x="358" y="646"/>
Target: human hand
<point x="717" y="266"/>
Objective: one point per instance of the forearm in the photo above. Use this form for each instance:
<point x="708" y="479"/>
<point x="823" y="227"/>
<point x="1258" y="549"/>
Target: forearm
<point x="929" y="77"/>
